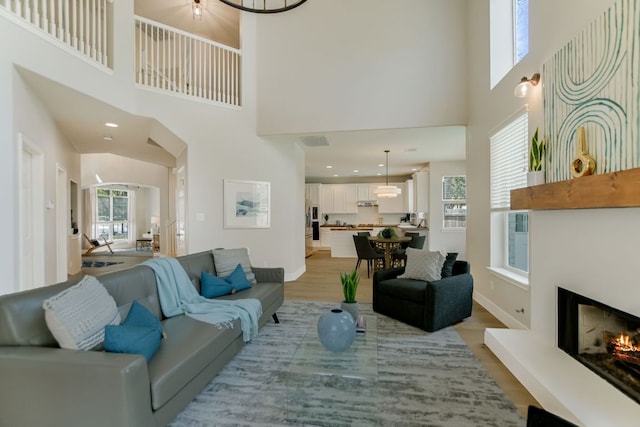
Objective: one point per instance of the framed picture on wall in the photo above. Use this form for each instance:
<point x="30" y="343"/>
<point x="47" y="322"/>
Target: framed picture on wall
<point x="247" y="204"/>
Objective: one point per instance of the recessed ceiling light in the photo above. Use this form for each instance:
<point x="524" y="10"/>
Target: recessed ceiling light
<point x="111" y="125"/>
<point x="107" y="138"/>
<point x="414" y="169"/>
<point x="335" y="174"/>
<point x="329" y="167"/>
<point x="381" y="164"/>
<point x="356" y="171"/>
<point x="378" y="174"/>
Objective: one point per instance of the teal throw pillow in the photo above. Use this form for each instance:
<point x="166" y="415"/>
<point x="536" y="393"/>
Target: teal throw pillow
<point x="212" y="286"/>
<point x="447" y="267"/>
<point x="238" y="279"/>
<point x="140" y="333"/>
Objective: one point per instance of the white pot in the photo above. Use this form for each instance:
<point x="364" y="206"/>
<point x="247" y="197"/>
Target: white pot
<point x="352" y="308"/>
<point x="535" y="178"/>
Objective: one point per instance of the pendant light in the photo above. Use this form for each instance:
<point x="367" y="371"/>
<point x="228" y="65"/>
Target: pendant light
<point x="196" y="8"/>
<point x="387" y="191"/>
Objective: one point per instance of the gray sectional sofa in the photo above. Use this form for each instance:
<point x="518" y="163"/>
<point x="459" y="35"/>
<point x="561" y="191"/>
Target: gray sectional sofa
<point x="42" y="384"/>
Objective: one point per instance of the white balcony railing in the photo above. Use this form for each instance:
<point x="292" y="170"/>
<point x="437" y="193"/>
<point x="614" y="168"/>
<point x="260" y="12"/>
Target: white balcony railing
<point x="175" y="61"/>
<point x="79" y="24"/>
<point x="166" y="58"/>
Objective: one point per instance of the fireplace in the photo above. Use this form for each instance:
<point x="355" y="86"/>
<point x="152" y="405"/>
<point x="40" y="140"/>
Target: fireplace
<point x="604" y="339"/>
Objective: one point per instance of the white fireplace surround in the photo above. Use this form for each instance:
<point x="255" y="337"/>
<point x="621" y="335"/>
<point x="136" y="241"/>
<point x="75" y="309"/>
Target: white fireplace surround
<point x="592" y="252"/>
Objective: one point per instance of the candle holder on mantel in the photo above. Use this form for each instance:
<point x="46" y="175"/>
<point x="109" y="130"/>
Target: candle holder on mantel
<point x="584" y="164"/>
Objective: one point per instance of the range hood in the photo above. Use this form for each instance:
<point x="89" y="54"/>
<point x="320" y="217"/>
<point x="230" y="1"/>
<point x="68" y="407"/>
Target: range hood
<point x="367" y="203"/>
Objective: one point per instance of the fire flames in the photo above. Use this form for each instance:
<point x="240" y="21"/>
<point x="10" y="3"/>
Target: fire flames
<point x="624" y="343"/>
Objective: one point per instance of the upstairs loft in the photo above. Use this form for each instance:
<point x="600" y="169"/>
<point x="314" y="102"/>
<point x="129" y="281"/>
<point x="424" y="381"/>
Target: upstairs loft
<point x="167" y="59"/>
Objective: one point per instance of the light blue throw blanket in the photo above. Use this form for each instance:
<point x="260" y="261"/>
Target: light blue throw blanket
<point x="179" y="296"/>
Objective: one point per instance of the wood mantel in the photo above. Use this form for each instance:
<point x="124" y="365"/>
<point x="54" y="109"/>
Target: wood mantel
<point x="612" y="190"/>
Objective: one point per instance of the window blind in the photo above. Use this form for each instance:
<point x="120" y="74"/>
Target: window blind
<point x="509" y="150"/>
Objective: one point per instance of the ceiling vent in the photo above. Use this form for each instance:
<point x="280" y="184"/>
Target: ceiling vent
<point x="315" y="141"/>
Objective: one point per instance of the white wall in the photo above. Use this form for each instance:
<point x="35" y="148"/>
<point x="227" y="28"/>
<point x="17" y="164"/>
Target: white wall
<point x="362" y="64"/>
<point x="588" y="251"/>
<point x="440" y="239"/>
<point x="32" y="120"/>
<point x="552" y="24"/>
<point x="222" y="142"/>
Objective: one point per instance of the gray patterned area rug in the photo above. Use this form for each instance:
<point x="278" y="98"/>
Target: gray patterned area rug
<point x="424" y="379"/>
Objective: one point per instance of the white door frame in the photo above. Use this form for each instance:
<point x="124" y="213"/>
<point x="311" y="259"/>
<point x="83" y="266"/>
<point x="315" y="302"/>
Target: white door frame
<point x="63" y="223"/>
<point x="31" y="215"/>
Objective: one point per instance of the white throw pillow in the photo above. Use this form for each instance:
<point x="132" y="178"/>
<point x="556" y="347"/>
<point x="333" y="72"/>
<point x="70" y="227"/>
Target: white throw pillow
<point x="226" y="260"/>
<point x="423" y="265"/>
<point x="77" y="316"/>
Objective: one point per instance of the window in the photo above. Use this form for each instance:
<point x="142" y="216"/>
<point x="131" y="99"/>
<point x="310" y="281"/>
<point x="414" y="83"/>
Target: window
<point x="509" y="229"/>
<point x="509" y="35"/>
<point x="112" y="214"/>
<point x="454" y="202"/>
<point x="521" y="30"/>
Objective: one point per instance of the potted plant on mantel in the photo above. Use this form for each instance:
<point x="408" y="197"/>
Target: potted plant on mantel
<point x="535" y="176"/>
<point x="349" y="288"/>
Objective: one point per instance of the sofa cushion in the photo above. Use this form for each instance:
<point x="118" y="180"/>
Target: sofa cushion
<point x="406" y="289"/>
<point x="77" y="316"/>
<point x="140" y="333"/>
<point x="189" y="348"/>
<point x="195" y="264"/>
<point x="447" y="267"/>
<point x="423" y="265"/>
<point x="226" y="261"/>
<point x="238" y="279"/>
<point x="212" y="286"/>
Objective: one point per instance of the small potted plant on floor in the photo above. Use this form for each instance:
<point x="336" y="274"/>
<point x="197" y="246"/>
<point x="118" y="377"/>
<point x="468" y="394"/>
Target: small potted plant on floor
<point x="349" y="288"/>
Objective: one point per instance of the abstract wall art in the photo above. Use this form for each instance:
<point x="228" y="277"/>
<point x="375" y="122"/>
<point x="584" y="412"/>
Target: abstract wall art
<point x="592" y="82"/>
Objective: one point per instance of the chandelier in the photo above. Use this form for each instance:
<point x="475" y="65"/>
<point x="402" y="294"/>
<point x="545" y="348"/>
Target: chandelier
<point x="387" y="191"/>
<point x="264" y="6"/>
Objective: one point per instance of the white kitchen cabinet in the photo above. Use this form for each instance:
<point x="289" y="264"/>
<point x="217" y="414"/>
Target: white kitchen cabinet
<point x="313" y="193"/>
<point x="408" y="197"/>
<point x="365" y="192"/>
<point x="351" y="198"/>
<point x="393" y="205"/>
<point x="339" y="199"/>
<point x="420" y="192"/>
<point x="326" y="199"/>
<point x="325" y="237"/>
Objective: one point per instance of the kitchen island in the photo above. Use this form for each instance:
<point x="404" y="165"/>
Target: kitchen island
<point x="341" y="237"/>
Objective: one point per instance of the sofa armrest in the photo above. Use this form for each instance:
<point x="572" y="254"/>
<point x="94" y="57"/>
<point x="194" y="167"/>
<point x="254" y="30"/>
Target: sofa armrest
<point x="69" y="387"/>
<point x="448" y="300"/>
<point x="381" y="276"/>
<point x="269" y="274"/>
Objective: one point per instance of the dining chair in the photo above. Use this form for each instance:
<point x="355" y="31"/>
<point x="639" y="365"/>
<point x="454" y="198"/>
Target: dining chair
<point x="399" y="256"/>
<point x="366" y="252"/>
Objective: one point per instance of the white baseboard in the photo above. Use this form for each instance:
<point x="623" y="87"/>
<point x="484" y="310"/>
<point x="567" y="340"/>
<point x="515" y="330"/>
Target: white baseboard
<point x="290" y="276"/>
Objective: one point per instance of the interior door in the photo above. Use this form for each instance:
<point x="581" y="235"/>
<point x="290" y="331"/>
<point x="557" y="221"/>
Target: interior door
<point x="31" y="215"/>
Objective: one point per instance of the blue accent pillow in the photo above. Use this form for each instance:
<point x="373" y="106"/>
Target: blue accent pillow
<point x="212" y="286"/>
<point x="238" y="279"/>
<point x="140" y="333"/>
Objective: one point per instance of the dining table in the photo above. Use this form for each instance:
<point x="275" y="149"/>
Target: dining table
<point x="389" y="244"/>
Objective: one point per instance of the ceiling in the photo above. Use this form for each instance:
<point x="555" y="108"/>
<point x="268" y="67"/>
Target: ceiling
<point x="82" y="119"/>
<point x="219" y="22"/>
<point x="410" y="149"/>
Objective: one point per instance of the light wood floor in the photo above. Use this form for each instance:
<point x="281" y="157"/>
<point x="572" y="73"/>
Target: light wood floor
<point x="321" y="282"/>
